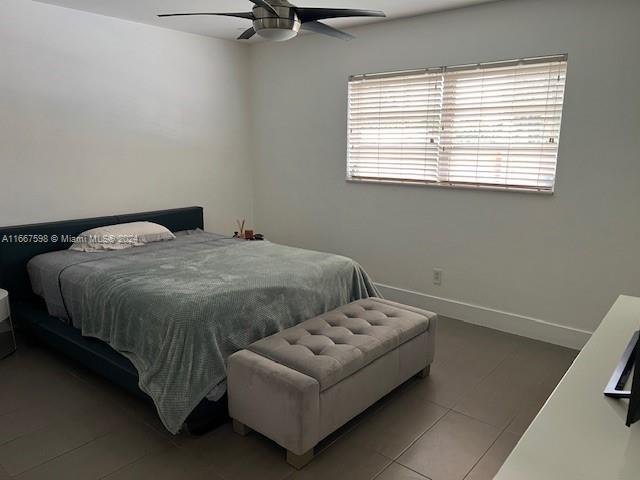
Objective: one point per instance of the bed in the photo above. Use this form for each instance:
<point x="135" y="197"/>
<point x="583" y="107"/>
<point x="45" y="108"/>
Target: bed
<point x="160" y="320"/>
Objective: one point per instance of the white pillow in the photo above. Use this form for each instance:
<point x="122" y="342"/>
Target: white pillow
<point x="121" y="236"/>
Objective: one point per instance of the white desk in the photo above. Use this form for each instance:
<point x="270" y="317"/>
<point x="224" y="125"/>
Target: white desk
<point x="580" y="434"/>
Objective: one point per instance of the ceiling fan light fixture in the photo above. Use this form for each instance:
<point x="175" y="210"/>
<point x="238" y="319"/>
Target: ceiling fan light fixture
<point x="277" y="34"/>
<point x="278" y="29"/>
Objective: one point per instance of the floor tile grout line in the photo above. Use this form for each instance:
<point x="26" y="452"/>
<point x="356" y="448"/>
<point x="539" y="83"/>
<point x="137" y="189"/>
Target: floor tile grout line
<point x="411" y="469"/>
<point x="52" y="424"/>
<point x="61" y="454"/>
<point x="486" y="451"/>
<point x="478" y="420"/>
<point x="498" y="427"/>
<point x="438" y="404"/>
<point x="483" y="378"/>
<point x="22" y="435"/>
<point x="383" y="469"/>
<point x="123" y="467"/>
<point x="419" y="437"/>
<point x="9" y="412"/>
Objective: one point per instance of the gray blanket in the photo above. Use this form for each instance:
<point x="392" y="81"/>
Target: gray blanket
<point x="178" y="309"/>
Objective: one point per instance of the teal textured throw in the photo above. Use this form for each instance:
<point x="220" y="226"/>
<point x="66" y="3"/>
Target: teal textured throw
<point x="178" y="311"/>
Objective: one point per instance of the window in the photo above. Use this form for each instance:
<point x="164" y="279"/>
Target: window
<point x="492" y="125"/>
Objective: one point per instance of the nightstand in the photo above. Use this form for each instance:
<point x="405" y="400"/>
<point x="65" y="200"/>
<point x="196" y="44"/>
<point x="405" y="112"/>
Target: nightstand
<point x="7" y="337"/>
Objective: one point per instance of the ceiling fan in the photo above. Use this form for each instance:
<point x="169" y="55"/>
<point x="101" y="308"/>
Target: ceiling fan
<point x="279" y="20"/>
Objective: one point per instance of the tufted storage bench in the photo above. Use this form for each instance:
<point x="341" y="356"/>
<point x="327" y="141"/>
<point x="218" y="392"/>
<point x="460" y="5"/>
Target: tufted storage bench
<point x="300" y="385"/>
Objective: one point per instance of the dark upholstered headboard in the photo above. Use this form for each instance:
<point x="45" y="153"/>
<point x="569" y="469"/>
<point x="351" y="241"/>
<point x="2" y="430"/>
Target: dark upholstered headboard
<point x="18" y="245"/>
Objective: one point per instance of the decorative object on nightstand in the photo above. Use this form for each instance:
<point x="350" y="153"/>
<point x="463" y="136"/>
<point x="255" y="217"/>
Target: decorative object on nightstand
<point x="240" y="224"/>
<point x="7" y="338"/>
<point x="246" y="234"/>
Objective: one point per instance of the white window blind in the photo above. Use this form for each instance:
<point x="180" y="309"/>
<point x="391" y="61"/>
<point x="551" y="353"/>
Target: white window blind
<point x="494" y="125"/>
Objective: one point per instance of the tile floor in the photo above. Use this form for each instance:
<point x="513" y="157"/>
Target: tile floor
<point x="60" y="421"/>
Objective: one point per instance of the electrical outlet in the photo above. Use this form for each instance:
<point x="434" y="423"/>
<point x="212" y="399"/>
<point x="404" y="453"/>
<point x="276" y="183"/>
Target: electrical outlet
<point x="437" y="276"/>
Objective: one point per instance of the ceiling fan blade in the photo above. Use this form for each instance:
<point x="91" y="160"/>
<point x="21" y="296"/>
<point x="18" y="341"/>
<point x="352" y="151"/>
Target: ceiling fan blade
<point x="313" y="14"/>
<point x="247" y="15"/>
<point x="266" y="5"/>
<point x="248" y="33"/>
<point x="318" y="27"/>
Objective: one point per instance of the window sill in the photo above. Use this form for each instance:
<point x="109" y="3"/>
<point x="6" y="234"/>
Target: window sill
<point x="455" y="186"/>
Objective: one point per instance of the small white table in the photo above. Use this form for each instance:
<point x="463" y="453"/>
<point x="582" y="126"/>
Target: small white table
<point x="7" y="337"/>
<point x="580" y="434"/>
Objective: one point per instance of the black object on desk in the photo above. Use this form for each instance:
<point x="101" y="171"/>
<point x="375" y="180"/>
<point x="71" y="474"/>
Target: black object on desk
<point x="630" y="362"/>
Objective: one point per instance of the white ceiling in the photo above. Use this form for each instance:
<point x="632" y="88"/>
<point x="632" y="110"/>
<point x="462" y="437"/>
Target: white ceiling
<point x="145" y="11"/>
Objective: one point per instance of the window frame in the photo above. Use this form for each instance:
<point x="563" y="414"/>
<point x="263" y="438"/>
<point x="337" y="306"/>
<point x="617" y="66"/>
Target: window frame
<point x="544" y="59"/>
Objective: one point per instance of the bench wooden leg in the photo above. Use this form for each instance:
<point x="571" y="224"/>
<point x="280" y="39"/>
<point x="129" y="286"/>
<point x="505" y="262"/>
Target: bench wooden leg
<point x="424" y="373"/>
<point x="240" y="428"/>
<point x="299" y="461"/>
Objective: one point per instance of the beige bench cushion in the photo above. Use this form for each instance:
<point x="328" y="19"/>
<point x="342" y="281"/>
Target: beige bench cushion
<point x="337" y="344"/>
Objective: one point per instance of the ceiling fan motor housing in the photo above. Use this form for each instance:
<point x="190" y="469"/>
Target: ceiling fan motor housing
<point x="279" y="28"/>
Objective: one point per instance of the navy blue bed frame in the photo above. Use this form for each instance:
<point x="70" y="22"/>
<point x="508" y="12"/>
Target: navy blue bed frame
<point x="18" y="244"/>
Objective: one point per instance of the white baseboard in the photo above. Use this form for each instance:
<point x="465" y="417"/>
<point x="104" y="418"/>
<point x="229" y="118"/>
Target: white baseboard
<point x="488" y="317"/>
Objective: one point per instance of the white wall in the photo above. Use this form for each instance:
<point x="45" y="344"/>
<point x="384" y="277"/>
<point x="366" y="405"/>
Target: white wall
<point x="102" y="116"/>
<point x="544" y="266"/>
